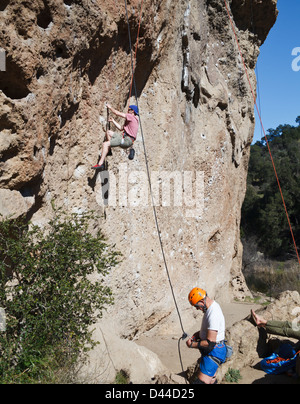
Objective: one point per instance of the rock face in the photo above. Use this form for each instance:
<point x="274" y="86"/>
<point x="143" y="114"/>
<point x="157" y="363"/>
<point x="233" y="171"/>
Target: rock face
<point x="64" y="60"/>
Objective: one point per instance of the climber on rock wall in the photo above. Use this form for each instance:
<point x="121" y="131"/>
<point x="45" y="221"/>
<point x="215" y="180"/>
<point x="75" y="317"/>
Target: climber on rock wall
<point x="126" y="138"/>
<point x="210" y="339"/>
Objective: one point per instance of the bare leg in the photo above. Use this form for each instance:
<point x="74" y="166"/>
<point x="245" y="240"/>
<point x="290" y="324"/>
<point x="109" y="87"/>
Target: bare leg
<point x="104" y="151"/>
<point x="259" y="321"/>
<point x="109" y="134"/>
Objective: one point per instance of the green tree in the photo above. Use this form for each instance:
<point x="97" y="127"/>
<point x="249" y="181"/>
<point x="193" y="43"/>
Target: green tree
<point x="263" y="214"/>
<point x="52" y="289"/>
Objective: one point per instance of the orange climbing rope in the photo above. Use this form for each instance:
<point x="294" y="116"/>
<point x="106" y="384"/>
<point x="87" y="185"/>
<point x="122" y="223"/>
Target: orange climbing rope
<point x="266" y="139"/>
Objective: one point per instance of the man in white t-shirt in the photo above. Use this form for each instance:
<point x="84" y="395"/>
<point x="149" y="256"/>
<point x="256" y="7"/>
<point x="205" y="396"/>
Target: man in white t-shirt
<point x="210" y="339"/>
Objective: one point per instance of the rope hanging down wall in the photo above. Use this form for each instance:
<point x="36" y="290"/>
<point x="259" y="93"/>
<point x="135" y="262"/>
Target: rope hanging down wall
<point x="264" y="132"/>
<point x="133" y="85"/>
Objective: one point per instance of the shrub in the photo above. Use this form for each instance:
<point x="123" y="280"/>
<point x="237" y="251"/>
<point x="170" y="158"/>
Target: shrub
<point x="233" y="376"/>
<point x="52" y="289"/>
<point x="122" y="377"/>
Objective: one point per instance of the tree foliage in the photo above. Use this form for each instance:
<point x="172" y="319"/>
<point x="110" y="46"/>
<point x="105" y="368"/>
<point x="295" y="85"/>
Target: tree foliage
<point x="52" y="289"/>
<point x="263" y="214"/>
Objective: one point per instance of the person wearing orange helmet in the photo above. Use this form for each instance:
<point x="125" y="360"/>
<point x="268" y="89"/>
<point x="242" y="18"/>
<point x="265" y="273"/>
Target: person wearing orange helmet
<point x="210" y="339"/>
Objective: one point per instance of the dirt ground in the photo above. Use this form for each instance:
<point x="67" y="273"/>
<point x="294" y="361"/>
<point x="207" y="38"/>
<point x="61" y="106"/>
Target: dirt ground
<point x="167" y="349"/>
<point x="254" y="375"/>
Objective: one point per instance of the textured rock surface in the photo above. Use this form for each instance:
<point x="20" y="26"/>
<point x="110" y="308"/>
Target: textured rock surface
<point x="65" y="59"/>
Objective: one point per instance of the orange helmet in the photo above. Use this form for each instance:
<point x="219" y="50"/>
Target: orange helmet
<point x="196" y="295"/>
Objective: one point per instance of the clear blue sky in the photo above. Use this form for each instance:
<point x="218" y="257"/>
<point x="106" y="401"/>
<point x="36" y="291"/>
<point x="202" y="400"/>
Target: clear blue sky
<point x="279" y="84"/>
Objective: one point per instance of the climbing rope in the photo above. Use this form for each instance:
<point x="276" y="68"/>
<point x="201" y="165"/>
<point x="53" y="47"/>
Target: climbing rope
<point x="133" y="84"/>
<point x="265" y="136"/>
<point x="133" y="61"/>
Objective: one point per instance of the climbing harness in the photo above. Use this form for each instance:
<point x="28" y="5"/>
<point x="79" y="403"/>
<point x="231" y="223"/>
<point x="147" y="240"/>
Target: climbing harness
<point x="133" y="86"/>
<point x="265" y="136"/>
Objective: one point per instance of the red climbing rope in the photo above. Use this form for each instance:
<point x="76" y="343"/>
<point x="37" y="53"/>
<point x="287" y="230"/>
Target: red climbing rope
<point x="267" y="142"/>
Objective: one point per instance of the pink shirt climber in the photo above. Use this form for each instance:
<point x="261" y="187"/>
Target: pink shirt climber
<point x="131" y="125"/>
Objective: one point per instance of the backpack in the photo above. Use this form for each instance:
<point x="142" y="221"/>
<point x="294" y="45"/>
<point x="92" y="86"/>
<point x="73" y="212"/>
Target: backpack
<point x="279" y="363"/>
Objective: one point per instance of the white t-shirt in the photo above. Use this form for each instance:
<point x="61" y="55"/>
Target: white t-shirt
<point x="213" y="320"/>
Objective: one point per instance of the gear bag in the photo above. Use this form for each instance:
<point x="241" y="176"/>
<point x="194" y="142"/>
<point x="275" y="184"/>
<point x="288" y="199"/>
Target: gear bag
<point x="278" y="363"/>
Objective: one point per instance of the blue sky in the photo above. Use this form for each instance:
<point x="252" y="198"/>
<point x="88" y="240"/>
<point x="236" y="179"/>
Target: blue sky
<point x="279" y="84"/>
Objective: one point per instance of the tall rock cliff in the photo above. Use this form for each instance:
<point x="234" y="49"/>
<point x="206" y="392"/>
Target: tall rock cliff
<point x="64" y="60"/>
